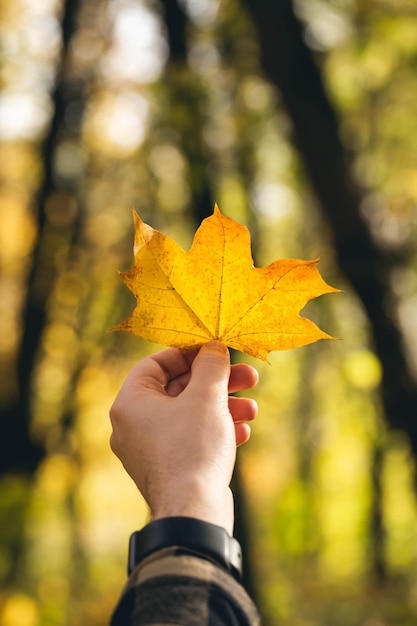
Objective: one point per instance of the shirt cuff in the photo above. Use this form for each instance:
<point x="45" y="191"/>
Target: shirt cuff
<point x="205" y="588"/>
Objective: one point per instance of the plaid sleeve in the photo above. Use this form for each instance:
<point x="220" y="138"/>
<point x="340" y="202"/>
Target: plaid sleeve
<point x="176" y="587"/>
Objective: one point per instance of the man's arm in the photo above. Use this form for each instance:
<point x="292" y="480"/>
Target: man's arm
<point x="175" y="429"/>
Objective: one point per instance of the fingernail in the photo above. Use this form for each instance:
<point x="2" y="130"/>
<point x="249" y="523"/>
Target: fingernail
<point x="215" y="346"/>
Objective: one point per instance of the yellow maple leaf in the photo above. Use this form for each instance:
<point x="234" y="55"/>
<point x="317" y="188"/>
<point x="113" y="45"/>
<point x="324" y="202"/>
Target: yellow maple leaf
<point x="185" y="299"/>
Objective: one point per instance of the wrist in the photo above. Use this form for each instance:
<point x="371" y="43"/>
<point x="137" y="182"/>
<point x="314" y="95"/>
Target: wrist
<point x="214" y="507"/>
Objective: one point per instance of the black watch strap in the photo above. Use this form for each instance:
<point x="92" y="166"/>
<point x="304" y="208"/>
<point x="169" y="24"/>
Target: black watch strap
<point x="186" y="532"/>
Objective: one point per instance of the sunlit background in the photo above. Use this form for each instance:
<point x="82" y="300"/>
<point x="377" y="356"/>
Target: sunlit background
<point x="98" y="117"/>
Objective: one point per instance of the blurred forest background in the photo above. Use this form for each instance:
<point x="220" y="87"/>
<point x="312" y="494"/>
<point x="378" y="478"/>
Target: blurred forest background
<point x="299" y="119"/>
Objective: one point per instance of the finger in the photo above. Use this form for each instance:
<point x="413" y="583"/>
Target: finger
<point x="177" y="385"/>
<point x="165" y="366"/>
<point x="210" y="371"/>
<point x="243" y="409"/>
<point x="156" y="371"/>
<point x="242" y="433"/>
<point x="242" y="376"/>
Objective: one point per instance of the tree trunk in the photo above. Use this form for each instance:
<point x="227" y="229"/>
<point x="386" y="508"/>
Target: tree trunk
<point x="289" y="64"/>
<point x="17" y="450"/>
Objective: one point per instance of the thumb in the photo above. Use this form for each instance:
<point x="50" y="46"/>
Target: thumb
<point x="211" y="370"/>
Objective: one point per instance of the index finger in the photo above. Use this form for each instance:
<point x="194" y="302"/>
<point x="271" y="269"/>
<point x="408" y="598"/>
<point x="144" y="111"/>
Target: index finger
<point x="242" y="376"/>
<point x="171" y="363"/>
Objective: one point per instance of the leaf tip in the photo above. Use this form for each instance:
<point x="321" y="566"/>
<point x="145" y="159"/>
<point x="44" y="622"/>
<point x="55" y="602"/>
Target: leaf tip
<point x="136" y="217"/>
<point x="116" y="327"/>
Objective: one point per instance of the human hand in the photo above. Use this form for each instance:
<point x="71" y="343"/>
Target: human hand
<point x="175" y="429"/>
